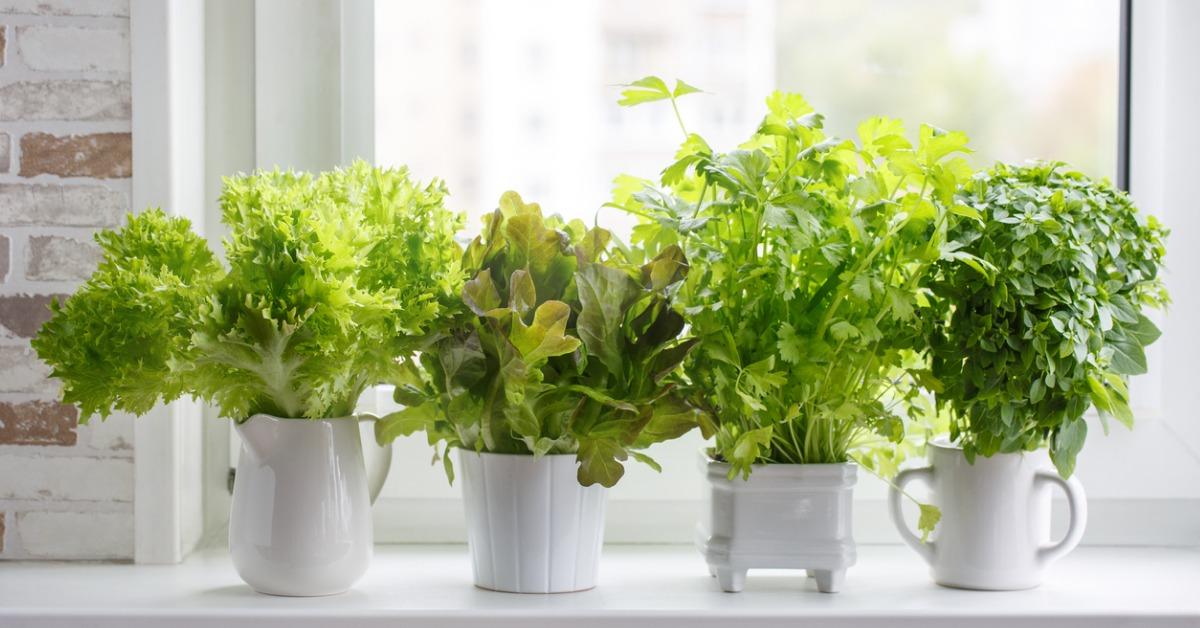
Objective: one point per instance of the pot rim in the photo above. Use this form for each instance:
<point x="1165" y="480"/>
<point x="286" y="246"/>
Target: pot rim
<point x="780" y="465"/>
<point x="943" y="443"/>
<point x="506" y="455"/>
<point x="272" y="417"/>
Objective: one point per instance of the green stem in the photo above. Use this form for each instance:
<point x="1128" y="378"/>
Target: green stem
<point x="679" y="118"/>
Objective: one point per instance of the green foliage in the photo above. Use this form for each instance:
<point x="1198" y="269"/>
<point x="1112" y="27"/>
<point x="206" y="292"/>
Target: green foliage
<point x="1020" y="354"/>
<point x="928" y="520"/>
<point x="562" y="345"/>
<point x="330" y="279"/>
<point x="112" y="342"/>
<point x="807" y="256"/>
<point x="651" y="89"/>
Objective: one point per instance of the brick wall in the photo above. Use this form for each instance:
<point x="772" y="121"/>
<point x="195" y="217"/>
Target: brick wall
<point x="66" y="490"/>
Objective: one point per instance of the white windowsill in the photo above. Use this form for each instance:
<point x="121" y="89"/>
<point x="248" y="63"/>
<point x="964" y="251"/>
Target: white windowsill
<point x="417" y="585"/>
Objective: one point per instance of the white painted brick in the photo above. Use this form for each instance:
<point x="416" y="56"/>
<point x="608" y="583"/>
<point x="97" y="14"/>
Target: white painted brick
<point x="60" y="205"/>
<point x="75" y="535"/>
<point x="96" y="8"/>
<point x="60" y="503"/>
<point x="64" y="478"/>
<point x="73" y="49"/>
<point x="65" y="100"/>
<point x="55" y="258"/>
<point x="22" y="371"/>
<point x="114" y="434"/>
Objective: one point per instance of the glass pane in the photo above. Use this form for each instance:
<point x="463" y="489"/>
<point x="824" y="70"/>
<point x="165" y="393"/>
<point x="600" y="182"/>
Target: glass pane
<point x="493" y="95"/>
<point x="520" y="94"/>
<point x="1024" y="78"/>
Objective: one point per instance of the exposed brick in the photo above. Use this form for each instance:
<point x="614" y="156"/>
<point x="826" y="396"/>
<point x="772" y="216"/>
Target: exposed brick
<point x="98" y="8"/>
<point x="22" y="372"/>
<point x="5" y="144"/>
<point x="3" y="41"/>
<point x="3" y="516"/>
<point x="75" y="535"/>
<point x="38" y="423"/>
<point x="66" y="478"/>
<point x="65" y="100"/>
<point x="4" y="258"/>
<point x="73" y="49"/>
<point x="60" y="205"/>
<point x="23" y="314"/>
<point x="100" y="155"/>
<point x="55" y="258"/>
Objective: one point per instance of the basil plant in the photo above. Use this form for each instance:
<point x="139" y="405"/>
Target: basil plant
<point x="563" y="344"/>
<point x="808" y="257"/>
<point x="1054" y="322"/>
<point x="328" y="280"/>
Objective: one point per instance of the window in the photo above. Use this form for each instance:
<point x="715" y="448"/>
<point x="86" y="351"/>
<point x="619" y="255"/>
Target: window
<point x="493" y="95"/>
<point x="501" y="95"/>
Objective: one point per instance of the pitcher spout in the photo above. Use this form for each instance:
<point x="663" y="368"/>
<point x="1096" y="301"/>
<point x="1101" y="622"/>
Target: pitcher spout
<point x="258" y="434"/>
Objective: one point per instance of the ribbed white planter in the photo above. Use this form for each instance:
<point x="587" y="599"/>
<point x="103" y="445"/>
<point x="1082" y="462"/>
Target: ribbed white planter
<point x="531" y="527"/>
<point x="785" y="516"/>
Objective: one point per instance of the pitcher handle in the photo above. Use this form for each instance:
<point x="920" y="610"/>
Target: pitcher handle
<point x="1077" y="501"/>
<point x="924" y="549"/>
<point x="377" y="465"/>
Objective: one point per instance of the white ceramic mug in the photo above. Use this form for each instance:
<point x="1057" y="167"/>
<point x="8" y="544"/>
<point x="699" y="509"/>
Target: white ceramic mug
<point x="995" y="528"/>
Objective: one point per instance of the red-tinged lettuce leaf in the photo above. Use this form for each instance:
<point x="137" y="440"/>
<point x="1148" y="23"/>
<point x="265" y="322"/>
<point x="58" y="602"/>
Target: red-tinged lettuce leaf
<point x="605" y="294"/>
<point x="575" y="353"/>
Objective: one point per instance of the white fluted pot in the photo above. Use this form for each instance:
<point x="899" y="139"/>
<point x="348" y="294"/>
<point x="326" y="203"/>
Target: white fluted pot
<point x="531" y="527"/>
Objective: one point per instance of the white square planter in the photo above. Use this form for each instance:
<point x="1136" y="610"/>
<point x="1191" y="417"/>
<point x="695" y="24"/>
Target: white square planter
<point x="785" y="516"/>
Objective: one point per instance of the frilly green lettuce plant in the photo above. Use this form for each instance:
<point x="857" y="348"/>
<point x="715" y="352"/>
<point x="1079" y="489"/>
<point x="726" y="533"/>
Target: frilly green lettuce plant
<point x="330" y="280"/>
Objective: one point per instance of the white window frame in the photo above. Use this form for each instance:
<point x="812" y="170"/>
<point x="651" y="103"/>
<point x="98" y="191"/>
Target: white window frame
<point x="167" y="43"/>
<point x="1145" y="484"/>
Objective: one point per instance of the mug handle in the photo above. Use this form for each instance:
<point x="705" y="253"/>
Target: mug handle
<point x="1077" y="500"/>
<point x="378" y="464"/>
<point x="924" y="549"/>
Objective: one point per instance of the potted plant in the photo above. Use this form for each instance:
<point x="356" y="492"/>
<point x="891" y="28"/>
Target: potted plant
<point x="1050" y="324"/>
<point x="329" y="280"/>
<point x="807" y="254"/>
<point x="550" y="378"/>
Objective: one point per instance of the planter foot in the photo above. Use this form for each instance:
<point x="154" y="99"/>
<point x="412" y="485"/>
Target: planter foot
<point x="828" y="580"/>
<point x="712" y="571"/>
<point x="731" y="580"/>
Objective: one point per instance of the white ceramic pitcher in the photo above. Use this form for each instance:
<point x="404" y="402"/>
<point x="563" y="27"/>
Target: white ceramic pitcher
<point x="300" y="521"/>
<point x="995" y="528"/>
